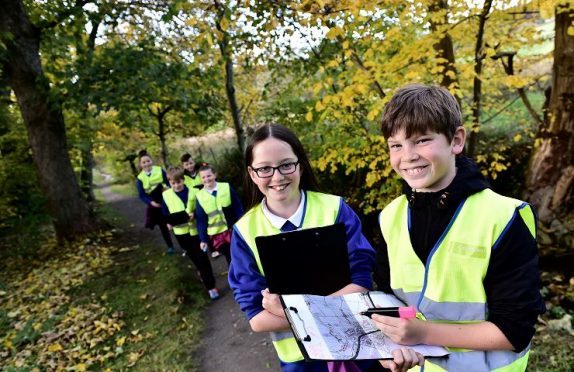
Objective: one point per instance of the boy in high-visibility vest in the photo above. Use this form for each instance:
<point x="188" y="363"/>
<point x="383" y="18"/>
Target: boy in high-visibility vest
<point x="190" y="172"/>
<point x="178" y="206"/>
<point x="217" y="209"/>
<point x="463" y="255"/>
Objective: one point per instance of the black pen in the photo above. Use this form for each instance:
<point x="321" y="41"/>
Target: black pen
<point x="408" y="312"/>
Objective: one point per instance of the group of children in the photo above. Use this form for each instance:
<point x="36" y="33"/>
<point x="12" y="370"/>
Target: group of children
<point x="464" y="256"/>
<point x="198" y="210"/>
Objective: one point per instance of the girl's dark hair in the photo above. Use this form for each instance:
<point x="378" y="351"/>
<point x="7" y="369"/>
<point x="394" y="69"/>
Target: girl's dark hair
<point x="143" y="153"/>
<point x="277" y="131"/>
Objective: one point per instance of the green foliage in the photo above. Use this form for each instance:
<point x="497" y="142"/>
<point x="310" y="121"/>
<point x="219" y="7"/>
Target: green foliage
<point x="26" y="335"/>
<point x="335" y="94"/>
<point x="506" y="143"/>
<point x="23" y="208"/>
<point x="230" y="168"/>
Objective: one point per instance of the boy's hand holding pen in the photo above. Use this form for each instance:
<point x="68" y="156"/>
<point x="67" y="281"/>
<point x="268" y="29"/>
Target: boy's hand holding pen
<point x="407" y="312"/>
<point x="400" y="324"/>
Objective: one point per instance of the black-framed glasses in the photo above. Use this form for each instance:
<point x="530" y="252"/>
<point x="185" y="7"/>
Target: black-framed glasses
<point x="268" y="171"/>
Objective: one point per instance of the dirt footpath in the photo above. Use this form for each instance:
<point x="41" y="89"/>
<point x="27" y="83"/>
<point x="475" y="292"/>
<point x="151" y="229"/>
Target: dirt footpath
<point x="227" y="343"/>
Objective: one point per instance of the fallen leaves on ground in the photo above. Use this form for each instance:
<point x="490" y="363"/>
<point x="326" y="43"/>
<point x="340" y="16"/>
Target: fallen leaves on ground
<point x="42" y="327"/>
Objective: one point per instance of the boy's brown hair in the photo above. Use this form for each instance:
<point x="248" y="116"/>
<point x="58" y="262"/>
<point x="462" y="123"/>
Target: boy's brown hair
<point x="185" y="157"/>
<point x="175" y="174"/>
<point x="418" y="108"/>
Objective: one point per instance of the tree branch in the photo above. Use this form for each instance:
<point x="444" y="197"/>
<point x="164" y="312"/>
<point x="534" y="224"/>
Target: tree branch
<point x="500" y="111"/>
<point x="355" y="57"/>
<point x="61" y="17"/>
<point x="509" y="69"/>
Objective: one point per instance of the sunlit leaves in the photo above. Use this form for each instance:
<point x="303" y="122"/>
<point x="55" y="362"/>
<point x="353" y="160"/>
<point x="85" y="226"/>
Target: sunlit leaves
<point x="371" y="49"/>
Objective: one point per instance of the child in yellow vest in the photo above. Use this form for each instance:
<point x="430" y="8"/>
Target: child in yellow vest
<point x="151" y="182"/>
<point x="283" y="196"/>
<point x="179" y="204"/>
<point x="218" y="208"/>
<point x="190" y="172"/>
<point x="463" y="255"/>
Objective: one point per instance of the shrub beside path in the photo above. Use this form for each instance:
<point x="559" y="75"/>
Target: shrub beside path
<point x="228" y="344"/>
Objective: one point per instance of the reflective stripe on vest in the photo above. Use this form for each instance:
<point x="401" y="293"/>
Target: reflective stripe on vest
<point x="213" y="207"/>
<point x="449" y="287"/>
<point x="175" y="204"/>
<point x="319" y="210"/>
<point x="150" y="182"/>
<point x="478" y="361"/>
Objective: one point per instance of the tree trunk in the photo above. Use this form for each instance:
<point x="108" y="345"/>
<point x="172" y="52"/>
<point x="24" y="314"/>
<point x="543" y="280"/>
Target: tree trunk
<point x="230" y="89"/>
<point x="443" y="47"/>
<point x="550" y="180"/>
<point x="477" y="85"/>
<point x="86" y="172"/>
<point x="44" y="123"/>
<point x="161" y="131"/>
<point x="161" y="134"/>
<point x="227" y="56"/>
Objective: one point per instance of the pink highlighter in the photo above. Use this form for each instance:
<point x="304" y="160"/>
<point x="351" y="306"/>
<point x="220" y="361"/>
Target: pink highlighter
<point x="408" y="312"/>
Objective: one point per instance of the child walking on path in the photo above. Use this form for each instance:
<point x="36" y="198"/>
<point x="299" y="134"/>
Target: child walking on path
<point x="217" y="209"/>
<point x="151" y="182"/>
<point x="463" y="255"/>
<point x="178" y="206"/>
<point x="190" y="172"/>
<point x="283" y="197"/>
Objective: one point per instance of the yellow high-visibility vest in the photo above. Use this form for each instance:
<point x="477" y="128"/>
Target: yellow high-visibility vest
<point x="150" y="182"/>
<point x="321" y="210"/>
<point x="213" y="207"/>
<point x="192" y="182"/>
<point x="175" y="204"/>
<point x="449" y="288"/>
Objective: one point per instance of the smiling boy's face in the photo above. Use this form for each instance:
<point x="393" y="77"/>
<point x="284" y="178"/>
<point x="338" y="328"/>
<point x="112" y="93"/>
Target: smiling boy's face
<point x="176" y="185"/>
<point x="426" y="161"/>
<point x="188" y="165"/>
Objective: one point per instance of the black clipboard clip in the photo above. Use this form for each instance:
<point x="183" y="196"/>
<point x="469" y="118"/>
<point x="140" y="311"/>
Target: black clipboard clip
<point x="307" y="337"/>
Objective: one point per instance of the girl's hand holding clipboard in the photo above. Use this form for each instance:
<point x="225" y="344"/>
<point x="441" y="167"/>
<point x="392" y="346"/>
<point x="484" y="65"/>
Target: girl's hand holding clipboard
<point x="272" y="303"/>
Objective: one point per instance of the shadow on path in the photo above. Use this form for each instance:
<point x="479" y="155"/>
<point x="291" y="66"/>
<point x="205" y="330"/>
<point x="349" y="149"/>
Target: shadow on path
<point x="228" y="344"/>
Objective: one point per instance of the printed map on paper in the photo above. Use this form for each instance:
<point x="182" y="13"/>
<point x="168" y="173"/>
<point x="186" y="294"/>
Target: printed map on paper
<point x="338" y="332"/>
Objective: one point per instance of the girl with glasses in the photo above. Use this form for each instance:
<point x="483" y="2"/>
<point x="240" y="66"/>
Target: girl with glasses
<point x="282" y="196"/>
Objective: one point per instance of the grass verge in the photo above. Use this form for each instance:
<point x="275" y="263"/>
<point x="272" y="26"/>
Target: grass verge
<point x="104" y="303"/>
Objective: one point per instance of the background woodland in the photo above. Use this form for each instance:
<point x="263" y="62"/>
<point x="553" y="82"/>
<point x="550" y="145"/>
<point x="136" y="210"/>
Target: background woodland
<point x="85" y="84"/>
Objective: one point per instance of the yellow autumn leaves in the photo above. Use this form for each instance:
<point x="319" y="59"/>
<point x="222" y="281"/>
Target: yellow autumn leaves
<point x="45" y="330"/>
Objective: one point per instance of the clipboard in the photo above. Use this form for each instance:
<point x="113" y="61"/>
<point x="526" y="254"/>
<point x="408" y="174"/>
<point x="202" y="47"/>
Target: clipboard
<point x="309" y="261"/>
<point x="178" y="218"/>
<point x="331" y="328"/>
<point x="157" y="193"/>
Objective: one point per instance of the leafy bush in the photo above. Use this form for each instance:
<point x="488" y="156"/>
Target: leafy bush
<point x="21" y="202"/>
